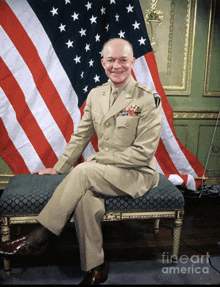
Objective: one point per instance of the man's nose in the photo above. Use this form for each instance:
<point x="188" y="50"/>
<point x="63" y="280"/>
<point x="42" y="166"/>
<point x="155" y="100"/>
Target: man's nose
<point x="116" y="64"/>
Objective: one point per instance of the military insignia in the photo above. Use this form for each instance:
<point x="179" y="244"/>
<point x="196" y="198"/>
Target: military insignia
<point x="156" y="99"/>
<point x="145" y="88"/>
<point x="133" y="110"/>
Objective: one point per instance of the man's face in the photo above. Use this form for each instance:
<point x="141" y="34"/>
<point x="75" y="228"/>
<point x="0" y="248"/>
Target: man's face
<point x="118" y="61"/>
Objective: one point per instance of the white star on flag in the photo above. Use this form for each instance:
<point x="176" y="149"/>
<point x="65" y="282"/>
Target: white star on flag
<point x="91" y="63"/>
<point x="77" y="59"/>
<point x="75" y="16"/>
<point x="69" y="43"/>
<point x="62" y="27"/>
<point x="97" y="78"/>
<point x="97" y="38"/>
<point x="93" y="19"/>
<point x="87" y="47"/>
<point x="103" y="10"/>
<point x="117" y="17"/>
<point x="89" y="6"/>
<point x="136" y="25"/>
<point x="85" y="89"/>
<point x="54" y="11"/>
<point x="130" y="8"/>
<point x="121" y="34"/>
<point x="82" y="32"/>
<point x="142" y="41"/>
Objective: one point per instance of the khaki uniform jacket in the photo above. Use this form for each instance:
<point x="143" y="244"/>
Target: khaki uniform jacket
<point x="128" y="135"/>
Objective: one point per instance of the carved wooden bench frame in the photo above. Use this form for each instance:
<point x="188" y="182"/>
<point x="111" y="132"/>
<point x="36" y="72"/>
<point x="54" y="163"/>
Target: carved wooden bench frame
<point x="177" y="215"/>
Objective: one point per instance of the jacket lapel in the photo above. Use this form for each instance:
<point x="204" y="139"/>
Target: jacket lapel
<point x="124" y="99"/>
<point x="105" y="99"/>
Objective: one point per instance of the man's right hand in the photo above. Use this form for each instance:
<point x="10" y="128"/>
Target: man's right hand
<point x="46" y="171"/>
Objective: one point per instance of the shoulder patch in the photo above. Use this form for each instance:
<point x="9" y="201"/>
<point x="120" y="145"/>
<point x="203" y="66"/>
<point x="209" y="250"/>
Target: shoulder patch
<point x="156" y="99"/>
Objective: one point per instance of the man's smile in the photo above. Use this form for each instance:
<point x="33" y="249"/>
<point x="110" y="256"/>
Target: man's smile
<point x="114" y="72"/>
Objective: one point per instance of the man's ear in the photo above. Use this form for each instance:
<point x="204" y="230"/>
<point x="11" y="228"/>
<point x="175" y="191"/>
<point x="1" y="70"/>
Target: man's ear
<point x="103" y="63"/>
<point x="133" y="61"/>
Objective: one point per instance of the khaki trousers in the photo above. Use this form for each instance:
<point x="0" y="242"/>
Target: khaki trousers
<point x="78" y="193"/>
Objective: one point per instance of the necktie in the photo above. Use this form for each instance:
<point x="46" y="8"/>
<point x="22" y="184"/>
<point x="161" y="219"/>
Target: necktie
<point x="113" y="97"/>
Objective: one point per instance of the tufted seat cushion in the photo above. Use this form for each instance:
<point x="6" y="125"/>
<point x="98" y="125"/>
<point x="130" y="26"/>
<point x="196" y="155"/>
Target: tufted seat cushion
<point x="166" y="196"/>
<point x="27" y="194"/>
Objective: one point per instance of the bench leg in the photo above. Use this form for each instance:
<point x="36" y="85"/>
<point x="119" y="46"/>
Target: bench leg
<point x="176" y="236"/>
<point x="7" y="266"/>
<point x="156" y="225"/>
<point x="5" y="236"/>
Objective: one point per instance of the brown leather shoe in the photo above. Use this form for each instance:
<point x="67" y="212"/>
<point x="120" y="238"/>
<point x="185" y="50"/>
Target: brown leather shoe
<point x="95" y="277"/>
<point x="20" y="247"/>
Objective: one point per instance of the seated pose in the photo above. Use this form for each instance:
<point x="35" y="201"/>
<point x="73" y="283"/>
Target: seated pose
<point x="127" y="118"/>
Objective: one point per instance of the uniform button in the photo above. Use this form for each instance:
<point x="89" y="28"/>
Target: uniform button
<point x="106" y="149"/>
<point x="107" y="124"/>
<point x="106" y="138"/>
<point x="127" y="125"/>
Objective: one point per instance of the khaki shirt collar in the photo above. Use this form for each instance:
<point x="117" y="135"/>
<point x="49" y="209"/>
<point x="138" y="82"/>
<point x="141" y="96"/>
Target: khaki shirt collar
<point x="121" y="88"/>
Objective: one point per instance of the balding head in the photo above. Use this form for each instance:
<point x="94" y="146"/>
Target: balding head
<point x="119" y="40"/>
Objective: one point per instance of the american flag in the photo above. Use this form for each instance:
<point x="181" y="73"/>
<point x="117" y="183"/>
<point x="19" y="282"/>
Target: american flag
<point x="50" y="58"/>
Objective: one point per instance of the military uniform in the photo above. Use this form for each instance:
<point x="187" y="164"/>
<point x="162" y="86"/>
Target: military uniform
<point x="128" y="134"/>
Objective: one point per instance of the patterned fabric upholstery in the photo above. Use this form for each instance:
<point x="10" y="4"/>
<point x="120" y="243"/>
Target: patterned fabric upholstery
<point x="27" y="194"/>
<point x="165" y="196"/>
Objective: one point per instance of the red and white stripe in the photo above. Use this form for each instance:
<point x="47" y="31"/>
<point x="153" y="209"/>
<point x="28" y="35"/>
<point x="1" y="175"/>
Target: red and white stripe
<point x="34" y="81"/>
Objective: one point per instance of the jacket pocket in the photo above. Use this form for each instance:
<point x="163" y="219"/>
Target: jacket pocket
<point x="126" y="128"/>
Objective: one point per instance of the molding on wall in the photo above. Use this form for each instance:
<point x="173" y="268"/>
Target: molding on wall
<point x="206" y="91"/>
<point x="170" y="44"/>
<point x="185" y="89"/>
<point x="175" y="67"/>
<point x="196" y="115"/>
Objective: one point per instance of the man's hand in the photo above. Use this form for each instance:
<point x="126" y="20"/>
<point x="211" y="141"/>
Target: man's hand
<point x="46" y="171"/>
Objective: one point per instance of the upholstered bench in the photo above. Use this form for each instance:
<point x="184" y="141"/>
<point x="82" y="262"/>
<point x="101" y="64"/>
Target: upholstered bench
<point x="26" y="195"/>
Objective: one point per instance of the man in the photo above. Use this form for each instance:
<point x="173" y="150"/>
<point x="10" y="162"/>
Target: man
<point x="126" y="116"/>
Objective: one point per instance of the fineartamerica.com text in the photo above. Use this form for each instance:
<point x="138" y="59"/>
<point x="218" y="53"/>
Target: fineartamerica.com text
<point x="196" y="264"/>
